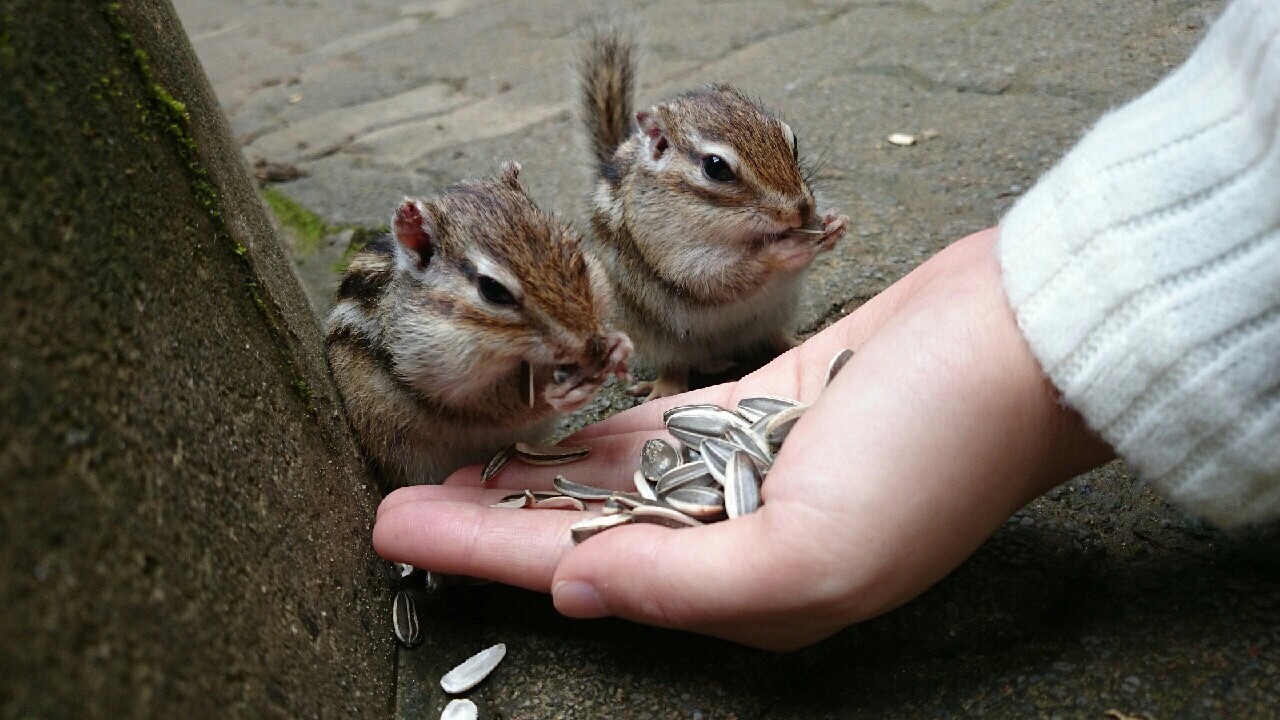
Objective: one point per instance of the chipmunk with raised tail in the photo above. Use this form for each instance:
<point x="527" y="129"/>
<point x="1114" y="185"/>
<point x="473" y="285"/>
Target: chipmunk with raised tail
<point x="704" y="218"/>
<point x="471" y="326"/>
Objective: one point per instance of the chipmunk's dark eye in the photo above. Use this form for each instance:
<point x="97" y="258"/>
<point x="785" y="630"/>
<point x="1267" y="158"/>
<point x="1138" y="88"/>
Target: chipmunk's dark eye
<point x="717" y="169"/>
<point x="494" y="291"/>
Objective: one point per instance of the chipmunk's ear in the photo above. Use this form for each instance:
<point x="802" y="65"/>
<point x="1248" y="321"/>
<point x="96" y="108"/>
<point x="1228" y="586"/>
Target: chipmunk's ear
<point x="412" y="229"/>
<point x="653" y="134"/>
<point x="509" y="174"/>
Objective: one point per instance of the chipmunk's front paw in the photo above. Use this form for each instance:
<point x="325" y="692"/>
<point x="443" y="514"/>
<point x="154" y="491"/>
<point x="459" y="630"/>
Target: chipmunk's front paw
<point x="833" y="228"/>
<point x="666" y="385"/>
<point x="573" y="386"/>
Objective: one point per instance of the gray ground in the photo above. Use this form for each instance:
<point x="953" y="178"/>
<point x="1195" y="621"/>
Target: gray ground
<point x="1097" y="597"/>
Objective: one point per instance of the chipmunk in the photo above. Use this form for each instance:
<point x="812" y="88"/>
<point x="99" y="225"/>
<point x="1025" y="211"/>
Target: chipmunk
<point x="469" y="327"/>
<point x="704" y="218"/>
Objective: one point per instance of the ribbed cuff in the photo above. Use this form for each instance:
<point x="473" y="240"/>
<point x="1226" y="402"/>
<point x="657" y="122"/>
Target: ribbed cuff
<point x="1144" y="270"/>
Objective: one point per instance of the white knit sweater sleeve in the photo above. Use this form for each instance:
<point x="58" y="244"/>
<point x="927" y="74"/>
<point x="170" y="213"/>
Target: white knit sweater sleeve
<point x="1144" y="270"/>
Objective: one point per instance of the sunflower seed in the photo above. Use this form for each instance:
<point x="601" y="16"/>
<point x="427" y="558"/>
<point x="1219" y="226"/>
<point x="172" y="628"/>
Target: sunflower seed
<point x="694" y="426"/>
<point x="681" y="475"/>
<point x="643" y="487"/>
<point x="741" y="485"/>
<point x="526" y="383"/>
<point x="663" y="515"/>
<point x="460" y="709"/>
<point x="657" y="457"/>
<point x="837" y="364"/>
<point x="432" y="581"/>
<point x="715" y="454"/>
<point x="517" y="501"/>
<point x="689" y="454"/>
<point x="666" y="414"/>
<point x="577" y="490"/>
<point x="497" y="462"/>
<point x="473" y="669"/>
<point x="532" y="454"/>
<point x="697" y="502"/>
<point x="591" y="527"/>
<point x="780" y="426"/>
<point x="627" y="501"/>
<point x="404" y="620"/>
<point x="766" y="404"/>
<point x="560" y="502"/>
<point x="754" y="445"/>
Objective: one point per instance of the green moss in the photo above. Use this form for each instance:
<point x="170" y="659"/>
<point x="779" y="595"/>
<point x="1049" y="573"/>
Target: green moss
<point x="359" y="238"/>
<point x="307" y="227"/>
<point x="165" y="113"/>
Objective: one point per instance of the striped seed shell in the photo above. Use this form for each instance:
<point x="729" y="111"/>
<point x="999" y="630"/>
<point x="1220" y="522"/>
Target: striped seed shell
<point x="780" y="426"/>
<point x="715" y="454"/>
<point x="460" y="709"/>
<point x="473" y="669"/>
<point x="765" y="404"/>
<point x="664" y="515"/>
<point x="526" y="384"/>
<point x="559" y="502"/>
<point x="497" y="462"/>
<point x="753" y="445"/>
<point x="741" y="485"/>
<point x="643" y="486"/>
<point x="666" y="414"/>
<point x="697" y="424"/>
<point x="404" y="620"/>
<point x="517" y="501"/>
<point x="837" y="364"/>
<point x="657" y="457"/>
<point x="681" y="475"/>
<point x="628" y="501"/>
<point x="432" y="581"/>
<point x="534" y="454"/>
<point x="697" y="502"/>
<point x="591" y="527"/>
<point x="577" y="490"/>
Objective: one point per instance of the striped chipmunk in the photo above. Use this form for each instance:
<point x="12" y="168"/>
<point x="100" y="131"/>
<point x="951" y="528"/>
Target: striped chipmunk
<point x="704" y="218"/>
<point x="469" y="327"/>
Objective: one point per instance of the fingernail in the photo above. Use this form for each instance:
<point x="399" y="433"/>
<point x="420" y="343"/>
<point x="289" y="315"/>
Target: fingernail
<point x="577" y="599"/>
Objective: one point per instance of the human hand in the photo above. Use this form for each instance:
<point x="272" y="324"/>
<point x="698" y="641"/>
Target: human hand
<point x="936" y="431"/>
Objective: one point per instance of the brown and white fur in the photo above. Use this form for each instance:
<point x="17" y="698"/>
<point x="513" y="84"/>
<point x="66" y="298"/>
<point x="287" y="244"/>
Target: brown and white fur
<point x="434" y="321"/>
<point x="703" y="268"/>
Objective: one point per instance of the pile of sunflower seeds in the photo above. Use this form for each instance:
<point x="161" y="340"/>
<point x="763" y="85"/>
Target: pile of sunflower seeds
<point x="715" y="473"/>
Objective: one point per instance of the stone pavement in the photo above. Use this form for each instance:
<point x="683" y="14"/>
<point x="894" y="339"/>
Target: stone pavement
<point x="1096" y="597"/>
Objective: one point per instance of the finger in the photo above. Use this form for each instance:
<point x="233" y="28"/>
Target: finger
<point x="461" y="493"/>
<point x="713" y="579"/>
<point x="610" y="463"/>
<point x="457" y="537"/>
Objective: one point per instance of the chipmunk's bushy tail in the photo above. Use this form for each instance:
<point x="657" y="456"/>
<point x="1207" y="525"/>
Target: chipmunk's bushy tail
<point x="606" y="74"/>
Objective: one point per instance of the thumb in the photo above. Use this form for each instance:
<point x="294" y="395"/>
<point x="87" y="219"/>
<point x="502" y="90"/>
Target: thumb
<point x="721" y="579"/>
